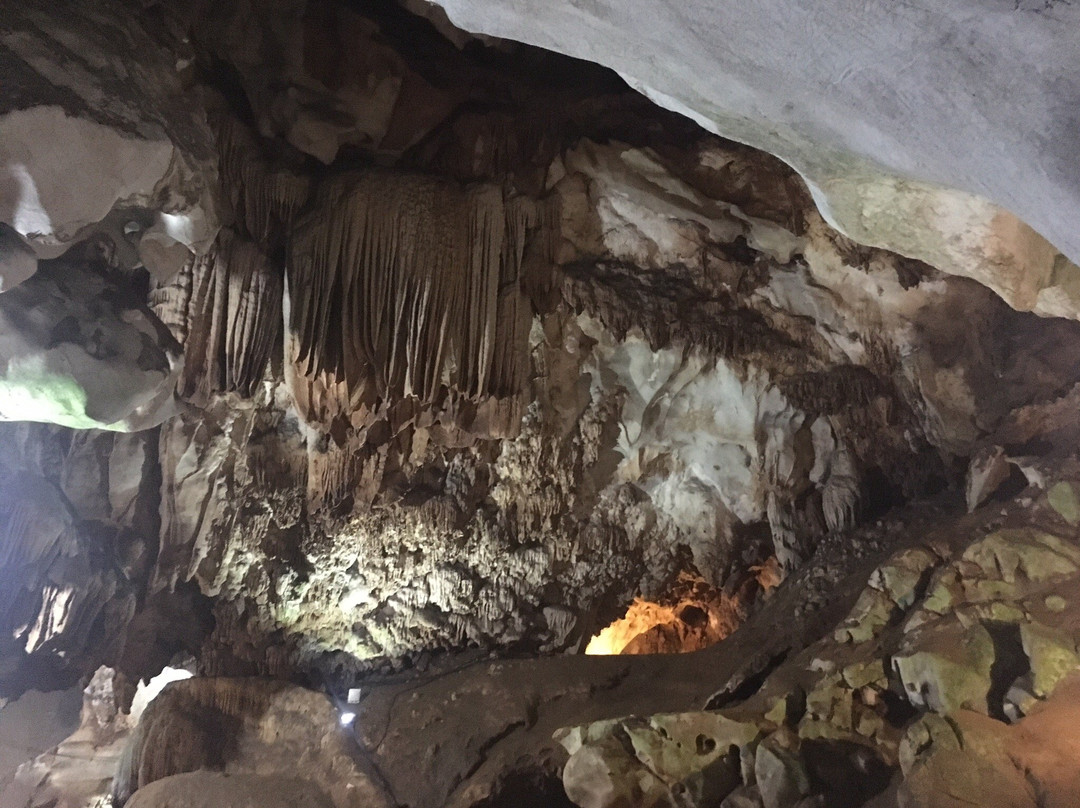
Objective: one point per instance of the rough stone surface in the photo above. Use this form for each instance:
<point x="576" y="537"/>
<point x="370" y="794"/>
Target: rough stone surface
<point x="243" y="727"/>
<point x="479" y="348"/>
<point x="214" y="790"/>
<point x="17" y="261"/>
<point x="78" y="770"/>
<point x="79" y="350"/>
<point x="94" y="117"/>
<point x="876" y="107"/>
<point x="838" y="736"/>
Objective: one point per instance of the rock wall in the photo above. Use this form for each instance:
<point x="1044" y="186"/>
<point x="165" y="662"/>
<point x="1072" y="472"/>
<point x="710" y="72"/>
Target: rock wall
<point x="947" y="684"/>
<point x="449" y="350"/>
<point x="910" y="135"/>
<point x="522" y="371"/>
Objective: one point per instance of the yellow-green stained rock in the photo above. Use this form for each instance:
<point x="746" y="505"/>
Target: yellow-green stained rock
<point x="678" y="745"/>
<point x="988" y="589"/>
<point x="1052" y="655"/>
<point x="869" y="724"/>
<point x="1024" y="553"/>
<point x="929" y="731"/>
<point x="942" y="593"/>
<point x="1001" y="612"/>
<point x="819" y="701"/>
<point x="1055" y="603"/>
<point x="811" y="729"/>
<point x="867" y="618"/>
<point x="861" y="674"/>
<point x="945" y="666"/>
<point x="899" y="578"/>
<point x="1063" y="499"/>
<point x="689" y="750"/>
<point x="778" y="712"/>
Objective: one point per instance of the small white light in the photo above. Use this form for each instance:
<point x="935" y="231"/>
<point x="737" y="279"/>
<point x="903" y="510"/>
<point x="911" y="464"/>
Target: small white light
<point x="347" y="719"/>
<point x="354" y="695"/>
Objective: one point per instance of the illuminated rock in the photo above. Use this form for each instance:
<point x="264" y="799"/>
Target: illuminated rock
<point x="80" y="351"/>
<point x="253" y="729"/>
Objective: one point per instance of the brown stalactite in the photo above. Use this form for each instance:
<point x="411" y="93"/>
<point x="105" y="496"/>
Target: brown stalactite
<point x="408" y="287"/>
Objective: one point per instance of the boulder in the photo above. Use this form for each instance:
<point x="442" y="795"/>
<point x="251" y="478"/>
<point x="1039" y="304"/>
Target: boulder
<point x="781" y="776"/>
<point x="945" y="666"/>
<point x="251" y="727"/>
<point x="217" y="790"/>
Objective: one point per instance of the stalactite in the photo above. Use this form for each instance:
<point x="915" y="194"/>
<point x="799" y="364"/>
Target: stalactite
<point x="407" y="287"/>
<point x="225" y="308"/>
<point x="834" y="390"/>
<point x="670" y="310"/>
<point x="486" y="145"/>
<point x="265" y="198"/>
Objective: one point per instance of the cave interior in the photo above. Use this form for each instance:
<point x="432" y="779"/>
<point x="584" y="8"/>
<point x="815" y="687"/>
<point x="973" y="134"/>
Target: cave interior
<point x="490" y="404"/>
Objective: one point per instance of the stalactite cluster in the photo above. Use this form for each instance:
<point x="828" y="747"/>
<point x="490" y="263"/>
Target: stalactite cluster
<point x="226" y="309"/>
<point x="265" y="197"/>
<point x="409" y="287"/>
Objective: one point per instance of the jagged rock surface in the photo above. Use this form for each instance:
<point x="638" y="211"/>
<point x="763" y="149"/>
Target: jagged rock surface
<point x="941" y="652"/>
<point x="820" y="716"/>
<point x="485" y="347"/>
<point x="112" y="99"/>
<point x="894" y="115"/>
<point x="80" y="349"/>
<point x="211" y="790"/>
<point x="249" y="728"/>
<point x="420" y="414"/>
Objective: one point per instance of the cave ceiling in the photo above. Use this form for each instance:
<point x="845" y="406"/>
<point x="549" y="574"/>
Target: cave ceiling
<point x="349" y="341"/>
<point x="450" y="344"/>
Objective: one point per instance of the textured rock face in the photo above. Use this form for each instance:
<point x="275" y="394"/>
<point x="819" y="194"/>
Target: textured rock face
<point x="207" y="790"/>
<point x="899" y="122"/>
<point x="94" y="118"/>
<point x="81" y="350"/>
<point x="443" y="356"/>
<point x="79" y="770"/>
<point x="803" y="708"/>
<point x="487" y="393"/>
<point x="260" y="731"/>
<point x="980" y="637"/>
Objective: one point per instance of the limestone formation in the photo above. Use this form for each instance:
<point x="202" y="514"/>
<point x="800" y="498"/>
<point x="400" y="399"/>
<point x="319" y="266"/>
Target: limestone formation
<point x="460" y="428"/>
<point x="409" y="287"/>
<point x="211" y="790"/>
<point x="97" y="116"/>
<point x="914" y="160"/>
<point x="959" y="634"/>
<point x="256" y="730"/>
<point x="80" y="350"/>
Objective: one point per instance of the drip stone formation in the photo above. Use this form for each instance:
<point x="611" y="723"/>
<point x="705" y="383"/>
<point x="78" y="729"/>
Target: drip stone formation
<point x="472" y="404"/>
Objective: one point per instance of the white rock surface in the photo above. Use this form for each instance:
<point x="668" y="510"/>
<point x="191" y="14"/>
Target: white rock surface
<point x="17" y="261"/>
<point x="59" y="174"/>
<point x="75" y="352"/>
<point x="96" y="116"/>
